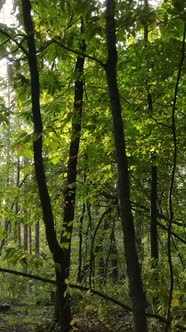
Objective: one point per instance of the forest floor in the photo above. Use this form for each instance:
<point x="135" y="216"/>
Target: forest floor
<point x="38" y="318"/>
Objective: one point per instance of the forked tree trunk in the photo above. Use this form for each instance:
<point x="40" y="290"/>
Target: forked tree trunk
<point x="61" y="253"/>
<point x="133" y="268"/>
<point x="62" y="312"/>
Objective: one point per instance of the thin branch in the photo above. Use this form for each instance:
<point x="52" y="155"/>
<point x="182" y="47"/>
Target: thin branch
<point x="160" y="123"/>
<point x="77" y="52"/>
<point x="161" y="216"/>
<point x="19" y="45"/>
<point x="172" y="233"/>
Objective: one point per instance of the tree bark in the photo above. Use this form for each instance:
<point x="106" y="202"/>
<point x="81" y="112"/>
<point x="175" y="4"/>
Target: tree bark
<point x="154" y="193"/>
<point x="70" y="190"/>
<point x="62" y="316"/>
<point x="25" y="231"/>
<point x="133" y="268"/>
<point x="153" y="226"/>
<point x="37" y="239"/>
<point x="80" y="274"/>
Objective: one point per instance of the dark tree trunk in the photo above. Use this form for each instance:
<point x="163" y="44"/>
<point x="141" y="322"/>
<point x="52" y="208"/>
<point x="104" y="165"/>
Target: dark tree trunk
<point x="153" y="227"/>
<point x="17" y="224"/>
<point x="153" y="198"/>
<point x="92" y="257"/>
<point x="70" y="191"/>
<point x="80" y="274"/>
<point x="63" y="316"/>
<point x="37" y="239"/>
<point x="30" y="239"/>
<point x="95" y="249"/>
<point x="25" y="230"/>
<point x="133" y="268"/>
<point x="112" y="256"/>
<point x="19" y="235"/>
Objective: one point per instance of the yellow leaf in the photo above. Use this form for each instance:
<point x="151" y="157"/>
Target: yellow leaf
<point x="73" y="322"/>
<point x="175" y="302"/>
<point x="88" y="307"/>
<point x="67" y="281"/>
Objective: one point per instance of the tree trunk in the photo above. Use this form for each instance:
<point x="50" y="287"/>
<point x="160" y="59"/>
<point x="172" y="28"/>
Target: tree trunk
<point x="30" y="239"/>
<point x="80" y="274"/>
<point x="62" y="316"/>
<point x="133" y="268"/>
<point x="153" y="198"/>
<point x="70" y="190"/>
<point x="37" y="239"/>
<point x="17" y="224"/>
<point x="25" y="230"/>
<point x="153" y="227"/>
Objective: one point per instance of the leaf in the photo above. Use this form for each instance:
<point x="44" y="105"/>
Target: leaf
<point x="67" y="281"/>
<point x="88" y="307"/>
<point x="73" y="322"/>
<point x="175" y="302"/>
<point x="4" y="118"/>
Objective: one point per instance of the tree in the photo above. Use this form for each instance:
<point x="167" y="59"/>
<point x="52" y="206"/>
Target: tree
<point x="133" y="268"/>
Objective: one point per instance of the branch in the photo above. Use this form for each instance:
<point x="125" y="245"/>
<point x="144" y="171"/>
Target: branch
<point x="77" y="52"/>
<point x="160" y="123"/>
<point x="53" y="282"/>
<point x="172" y="233"/>
<point x="19" y="45"/>
<point x="161" y="216"/>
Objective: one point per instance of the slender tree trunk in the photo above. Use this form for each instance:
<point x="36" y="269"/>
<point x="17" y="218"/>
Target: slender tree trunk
<point x="70" y="191"/>
<point x="114" y="260"/>
<point x="153" y="198"/>
<point x="133" y="268"/>
<point x="139" y="236"/>
<point x="30" y="239"/>
<point x="19" y="235"/>
<point x="17" y="224"/>
<point x="99" y="248"/>
<point x="37" y="239"/>
<point x="153" y="227"/>
<point x="91" y="258"/>
<point x="172" y="182"/>
<point x="25" y="237"/>
<point x="80" y="274"/>
<point x="56" y="250"/>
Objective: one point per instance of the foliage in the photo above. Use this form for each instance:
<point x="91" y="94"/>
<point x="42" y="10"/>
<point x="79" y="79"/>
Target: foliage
<point x="146" y="72"/>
